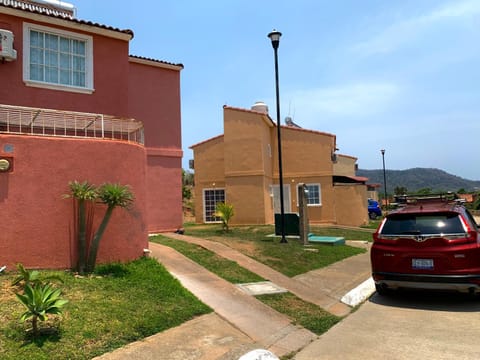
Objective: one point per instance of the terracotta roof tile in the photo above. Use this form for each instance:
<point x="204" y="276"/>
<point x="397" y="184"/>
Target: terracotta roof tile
<point x="205" y="141"/>
<point x="58" y="13"/>
<point x="155" y="60"/>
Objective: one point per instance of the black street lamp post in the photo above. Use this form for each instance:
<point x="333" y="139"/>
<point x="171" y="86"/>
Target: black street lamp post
<point x="275" y="38"/>
<point x="384" y="180"/>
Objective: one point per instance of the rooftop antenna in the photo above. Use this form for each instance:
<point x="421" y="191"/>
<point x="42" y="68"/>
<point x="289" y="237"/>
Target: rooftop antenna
<point x="288" y="119"/>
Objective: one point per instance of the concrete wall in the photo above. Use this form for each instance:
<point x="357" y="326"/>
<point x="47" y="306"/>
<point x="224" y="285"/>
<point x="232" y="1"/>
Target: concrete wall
<point x="345" y="165"/>
<point x="148" y="91"/>
<point x="248" y="163"/>
<point x="209" y="171"/>
<point x="154" y="98"/>
<point x="37" y="226"/>
<point x="110" y="77"/>
<point x="305" y="153"/>
<point x="351" y="205"/>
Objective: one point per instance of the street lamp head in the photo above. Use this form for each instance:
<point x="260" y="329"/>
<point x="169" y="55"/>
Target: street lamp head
<point x="382" y="151"/>
<point x="275" y="38"/>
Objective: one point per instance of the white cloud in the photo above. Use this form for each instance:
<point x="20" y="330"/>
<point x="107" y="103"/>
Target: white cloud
<point x="406" y="31"/>
<point x="356" y="100"/>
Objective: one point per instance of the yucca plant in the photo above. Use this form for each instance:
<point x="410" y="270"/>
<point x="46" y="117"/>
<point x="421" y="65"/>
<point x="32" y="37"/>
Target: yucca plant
<point x="40" y="300"/>
<point x="225" y="212"/>
<point x="82" y="192"/>
<point x="112" y="195"/>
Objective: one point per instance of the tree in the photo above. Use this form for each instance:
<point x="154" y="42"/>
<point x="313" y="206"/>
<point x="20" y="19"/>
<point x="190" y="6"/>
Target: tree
<point x="400" y="190"/>
<point x="424" y="191"/>
<point x="82" y="192"/>
<point x="476" y="203"/>
<point x="225" y="212"/>
<point x="187" y="183"/>
<point x="187" y="178"/>
<point x="112" y="195"/>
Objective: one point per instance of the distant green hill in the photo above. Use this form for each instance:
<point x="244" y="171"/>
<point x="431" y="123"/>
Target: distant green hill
<point x="419" y="178"/>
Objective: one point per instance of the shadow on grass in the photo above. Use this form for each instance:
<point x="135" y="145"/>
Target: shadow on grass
<point x="46" y="334"/>
<point x="116" y="270"/>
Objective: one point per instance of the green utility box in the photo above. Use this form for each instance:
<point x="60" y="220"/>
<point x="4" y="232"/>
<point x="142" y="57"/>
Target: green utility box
<point x="292" y="224"/>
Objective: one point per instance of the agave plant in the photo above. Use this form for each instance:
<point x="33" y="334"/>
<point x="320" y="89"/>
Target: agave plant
<point x="225" y="212"/>
<point x="112" y="195"/>
<point x="40" y="300"/>
<point x="26" y="277"/>
<point x="30" y="277"/>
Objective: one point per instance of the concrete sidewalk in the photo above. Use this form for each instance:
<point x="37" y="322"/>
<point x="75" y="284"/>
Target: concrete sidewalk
<point x="324" y="287"/>
<point x="241" y="322"/>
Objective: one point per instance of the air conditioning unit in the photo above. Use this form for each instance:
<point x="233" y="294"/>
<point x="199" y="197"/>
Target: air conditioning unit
<point x="7" y="52"/>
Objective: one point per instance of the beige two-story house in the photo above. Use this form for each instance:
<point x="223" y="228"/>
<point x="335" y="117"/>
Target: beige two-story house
<point x="240" y="167"/>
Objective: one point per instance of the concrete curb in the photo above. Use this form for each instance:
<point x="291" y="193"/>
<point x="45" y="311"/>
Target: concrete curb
<point x="361" y="293"/>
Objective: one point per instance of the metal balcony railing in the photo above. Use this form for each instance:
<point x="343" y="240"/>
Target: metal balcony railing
<point x="47" y="122"/>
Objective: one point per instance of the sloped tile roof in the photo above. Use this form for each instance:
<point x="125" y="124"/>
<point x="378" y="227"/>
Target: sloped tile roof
<point x="37" y="8"/>
<point x="155" y="60"/>
<point x="205" y="141"/>
<point x="65" y="14"/>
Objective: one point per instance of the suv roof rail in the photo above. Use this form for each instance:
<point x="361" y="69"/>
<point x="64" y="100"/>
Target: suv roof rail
<point x="413" y="199"/>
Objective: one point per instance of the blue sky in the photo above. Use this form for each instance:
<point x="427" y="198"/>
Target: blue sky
<point x="399" y="75"/>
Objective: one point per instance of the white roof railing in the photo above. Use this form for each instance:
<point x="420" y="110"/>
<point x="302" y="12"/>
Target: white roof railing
<point x="48" y="122"/>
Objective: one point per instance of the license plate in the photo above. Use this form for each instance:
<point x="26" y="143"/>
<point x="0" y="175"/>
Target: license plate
<point x="422" y="264"/>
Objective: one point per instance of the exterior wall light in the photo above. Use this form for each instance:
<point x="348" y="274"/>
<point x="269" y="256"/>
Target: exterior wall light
<point x="6" y="164"/>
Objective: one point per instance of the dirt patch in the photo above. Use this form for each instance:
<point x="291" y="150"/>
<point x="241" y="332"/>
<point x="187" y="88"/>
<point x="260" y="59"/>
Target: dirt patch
<point x="246" y="247"/>
<point x="7" y="291"/>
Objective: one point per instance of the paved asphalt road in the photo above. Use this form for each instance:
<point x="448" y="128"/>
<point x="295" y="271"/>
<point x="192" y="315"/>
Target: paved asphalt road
<point x="407" y="325"/>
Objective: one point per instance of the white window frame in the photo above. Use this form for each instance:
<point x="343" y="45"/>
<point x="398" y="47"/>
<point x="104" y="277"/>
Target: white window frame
<point x="205" y="205"/>
<point x="319" y="194"/>
<point x="88" y="89"/>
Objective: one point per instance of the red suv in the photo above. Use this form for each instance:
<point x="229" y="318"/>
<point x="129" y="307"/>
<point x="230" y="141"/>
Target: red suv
<point x="431" y="242"/>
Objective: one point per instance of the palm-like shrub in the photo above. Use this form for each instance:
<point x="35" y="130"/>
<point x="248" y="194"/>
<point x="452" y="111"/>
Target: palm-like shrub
<point x="82" y="192"/>
<point x="225" y="212"/>
<point x="112" y="195"/>
<point x="40" y="300"/>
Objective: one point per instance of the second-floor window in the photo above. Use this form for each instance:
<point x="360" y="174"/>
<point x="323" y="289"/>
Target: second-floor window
<point x="57" y="59"/>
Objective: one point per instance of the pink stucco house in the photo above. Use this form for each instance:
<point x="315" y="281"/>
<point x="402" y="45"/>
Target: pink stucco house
<point x="74" y="105"/>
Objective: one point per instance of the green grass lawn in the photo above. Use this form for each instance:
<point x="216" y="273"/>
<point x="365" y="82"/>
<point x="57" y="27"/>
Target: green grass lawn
<point x="303" y="313"/>
<point x="124" y="303"/>
<point x="290" y="259"/>
<point x="118" y="305"/>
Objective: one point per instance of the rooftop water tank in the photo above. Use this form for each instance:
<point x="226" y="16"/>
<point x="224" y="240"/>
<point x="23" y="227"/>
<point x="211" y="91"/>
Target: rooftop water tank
<point x="260" y="106"/>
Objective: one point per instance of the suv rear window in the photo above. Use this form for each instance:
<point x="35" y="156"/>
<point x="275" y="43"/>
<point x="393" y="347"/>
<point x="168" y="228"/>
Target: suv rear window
<point x="424" y="224"/>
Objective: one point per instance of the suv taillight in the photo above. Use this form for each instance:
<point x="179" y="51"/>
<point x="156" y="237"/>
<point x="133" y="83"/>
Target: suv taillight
<point x="472" y="235"/>
<point x="377" y="235"/>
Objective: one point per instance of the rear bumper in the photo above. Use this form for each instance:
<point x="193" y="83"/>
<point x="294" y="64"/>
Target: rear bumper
<point x="463" y="283"/>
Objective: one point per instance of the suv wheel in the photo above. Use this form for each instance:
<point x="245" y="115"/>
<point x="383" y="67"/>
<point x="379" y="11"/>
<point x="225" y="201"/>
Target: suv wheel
<point x="382" y="289"/>
<point x="372" y="215"/>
